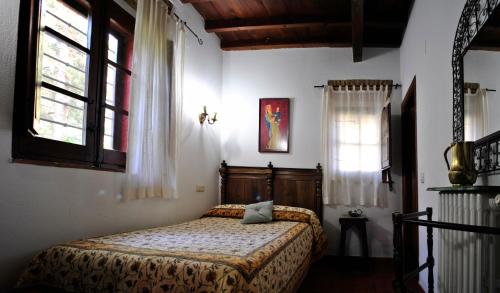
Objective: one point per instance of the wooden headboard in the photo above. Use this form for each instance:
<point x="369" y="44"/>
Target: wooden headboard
<point x="286" y="186"/>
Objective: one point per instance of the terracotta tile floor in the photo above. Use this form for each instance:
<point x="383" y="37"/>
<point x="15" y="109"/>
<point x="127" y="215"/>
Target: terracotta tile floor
<point x="353" y="275"/>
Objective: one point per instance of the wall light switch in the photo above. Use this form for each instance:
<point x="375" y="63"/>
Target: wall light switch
<point x="422" y="178"/>
<point x="200" y="188"/>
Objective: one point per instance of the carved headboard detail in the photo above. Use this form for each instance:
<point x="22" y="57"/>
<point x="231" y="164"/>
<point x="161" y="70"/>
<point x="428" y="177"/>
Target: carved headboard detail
<point x="286" y="186"/>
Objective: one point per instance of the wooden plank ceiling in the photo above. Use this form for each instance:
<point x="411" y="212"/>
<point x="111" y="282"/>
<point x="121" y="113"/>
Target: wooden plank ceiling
<point x="270" y="24"/>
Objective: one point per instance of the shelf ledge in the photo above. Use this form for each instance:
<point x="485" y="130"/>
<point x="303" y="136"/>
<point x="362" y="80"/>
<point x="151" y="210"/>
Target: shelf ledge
<point x="467" y="189"/>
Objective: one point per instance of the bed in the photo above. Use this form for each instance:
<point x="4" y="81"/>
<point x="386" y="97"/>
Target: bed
<point x="215" y="253"/>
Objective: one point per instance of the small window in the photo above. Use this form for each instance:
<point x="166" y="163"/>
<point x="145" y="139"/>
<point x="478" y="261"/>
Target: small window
<point x="73" y="86"/>
<point x="358" y="143"/>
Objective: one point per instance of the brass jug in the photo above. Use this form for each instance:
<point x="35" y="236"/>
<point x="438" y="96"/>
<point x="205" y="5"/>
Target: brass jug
<point x="461" y="171"/>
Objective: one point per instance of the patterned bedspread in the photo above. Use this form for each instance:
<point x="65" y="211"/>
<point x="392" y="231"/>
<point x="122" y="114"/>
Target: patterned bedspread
<point x="213" y="254"/>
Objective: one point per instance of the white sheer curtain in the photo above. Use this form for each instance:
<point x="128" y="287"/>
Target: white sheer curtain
<point x="156" y="103"/>
<point x="351" y="145"/>
<point x="476" y="114"/>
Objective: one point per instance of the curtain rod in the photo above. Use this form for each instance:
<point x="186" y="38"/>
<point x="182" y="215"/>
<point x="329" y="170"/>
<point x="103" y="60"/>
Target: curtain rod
<point x="474" y="86"/>
<point x="200" y="41"/>
<point x="171" y="8"/>
<point x="397" y="85"/>
<point x="488" y="90"/>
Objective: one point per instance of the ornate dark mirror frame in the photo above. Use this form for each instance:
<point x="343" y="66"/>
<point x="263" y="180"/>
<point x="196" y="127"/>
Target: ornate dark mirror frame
<point x="474" y="16"/>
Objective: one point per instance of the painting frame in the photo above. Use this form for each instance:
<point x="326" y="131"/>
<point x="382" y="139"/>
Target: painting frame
<point x="268" y="126"/>
<point x="385" y="138"/>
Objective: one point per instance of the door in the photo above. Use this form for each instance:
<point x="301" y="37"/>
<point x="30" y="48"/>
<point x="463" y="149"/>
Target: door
<point x="410" y="174"/>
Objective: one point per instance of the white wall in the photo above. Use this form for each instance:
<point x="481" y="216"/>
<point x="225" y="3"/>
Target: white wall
<point x="42" y="206"/>
<point x="292" y="73"/>
<point x="426" y="53"/>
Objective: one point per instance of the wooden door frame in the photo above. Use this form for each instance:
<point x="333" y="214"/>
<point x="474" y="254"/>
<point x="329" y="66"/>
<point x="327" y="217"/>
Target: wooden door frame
<point x="410" y="175"/>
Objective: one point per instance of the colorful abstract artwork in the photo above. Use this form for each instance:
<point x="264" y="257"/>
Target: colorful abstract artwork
<point x="274" y="125"/>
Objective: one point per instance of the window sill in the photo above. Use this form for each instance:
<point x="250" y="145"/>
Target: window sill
<point x="109" y="168"/>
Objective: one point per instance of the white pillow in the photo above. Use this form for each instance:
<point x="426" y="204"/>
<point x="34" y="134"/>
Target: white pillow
<point x="261" y="212"/>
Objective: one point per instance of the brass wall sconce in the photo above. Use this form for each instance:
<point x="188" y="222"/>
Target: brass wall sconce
<point x="204" y="116"/>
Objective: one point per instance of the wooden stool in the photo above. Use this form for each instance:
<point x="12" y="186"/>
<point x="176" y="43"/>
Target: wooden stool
<point x="346" y="222"/>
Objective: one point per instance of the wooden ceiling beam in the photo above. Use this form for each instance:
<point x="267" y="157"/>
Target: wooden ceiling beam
<point x="232" y="25"/>
<point x="282" y="43"/>
<point x="235" y="25"/>
<point x="488" y="39"/>
<point x="298" y="43"/>
<point x="357" y="18"/>
<point x="486" y="48"/>
<point x="485" y="45"/>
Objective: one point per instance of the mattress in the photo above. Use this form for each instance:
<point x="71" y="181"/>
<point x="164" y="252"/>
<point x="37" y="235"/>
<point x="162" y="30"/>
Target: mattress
<point x="213" y="254"/>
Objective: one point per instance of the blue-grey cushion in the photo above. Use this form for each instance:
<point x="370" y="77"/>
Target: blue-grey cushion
<point x="261" y="212"/>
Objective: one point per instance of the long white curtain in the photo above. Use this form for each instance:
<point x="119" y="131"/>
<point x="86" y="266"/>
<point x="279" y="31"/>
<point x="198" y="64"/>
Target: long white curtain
<point x="476" y="114"/>
<point x="351" y="145"/>
<point x="156" y="103"/>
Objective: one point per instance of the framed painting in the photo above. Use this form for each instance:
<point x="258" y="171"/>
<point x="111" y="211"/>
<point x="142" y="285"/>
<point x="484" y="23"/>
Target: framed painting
<point x="274" y="125"/>
<point x="386" y="158"/>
